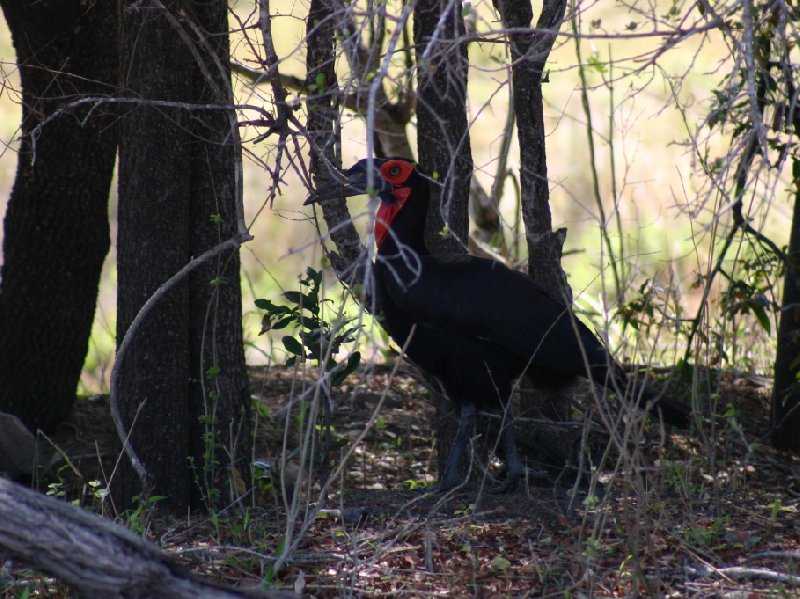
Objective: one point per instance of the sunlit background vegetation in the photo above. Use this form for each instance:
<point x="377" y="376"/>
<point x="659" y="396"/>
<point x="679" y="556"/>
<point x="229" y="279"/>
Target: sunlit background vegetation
<point x="646" y="104"/>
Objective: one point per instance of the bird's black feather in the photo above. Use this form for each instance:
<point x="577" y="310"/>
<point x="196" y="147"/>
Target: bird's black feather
<point x="473" y="324"/>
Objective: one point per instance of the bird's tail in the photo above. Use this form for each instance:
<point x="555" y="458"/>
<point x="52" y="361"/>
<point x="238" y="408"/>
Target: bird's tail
<point x="672" y="411"/>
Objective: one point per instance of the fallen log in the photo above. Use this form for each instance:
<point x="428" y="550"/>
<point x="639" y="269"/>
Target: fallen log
<point x="96" y="556"/>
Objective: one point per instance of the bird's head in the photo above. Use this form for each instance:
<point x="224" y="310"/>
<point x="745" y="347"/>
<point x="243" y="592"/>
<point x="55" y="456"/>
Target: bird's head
<point x="393" y="181"/>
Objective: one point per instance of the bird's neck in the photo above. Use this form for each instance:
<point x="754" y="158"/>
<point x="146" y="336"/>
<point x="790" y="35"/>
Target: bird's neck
<point x="397" y="243"/>
<point x="407" y="229"/>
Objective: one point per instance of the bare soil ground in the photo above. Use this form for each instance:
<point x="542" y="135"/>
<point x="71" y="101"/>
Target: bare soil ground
<point x="711" y="514"/>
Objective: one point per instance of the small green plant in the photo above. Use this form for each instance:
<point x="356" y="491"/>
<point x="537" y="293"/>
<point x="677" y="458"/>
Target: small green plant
<point x="97" y="492"/>
<point x="139" y="518"/>
<point x="679" y="477"/>
<point x="212" y="446"/>
<point x="774" y="508"/>
<point x="56" y="489"/>
<point x="705" y="534"/>
<point x="592" y="547"/>
<point x="315" y="338"/>
<point x="640" y="310"/>
<point x="415" y="484"/>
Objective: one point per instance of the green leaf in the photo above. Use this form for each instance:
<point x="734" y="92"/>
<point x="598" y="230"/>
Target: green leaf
<point x="212" y="372"/>
<point x="295" y="297"/>
<point x="763" y="318"/>
<point x="314" y="275"/>
<point x="352" y="363"/>
<point x="263" y="304"/>
<point x="266" y="324"/>
<point x="308" y="301"/>
<point x="596" y="64"/>
<point x="311" y="302"/>
<point x="500" y="564"/>
<point x="282" y="323"/>
<point x="293" y="346"/>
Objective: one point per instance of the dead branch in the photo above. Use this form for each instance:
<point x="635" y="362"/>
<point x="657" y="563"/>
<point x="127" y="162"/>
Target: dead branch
<point x="737" y="572"/>
<point x="96" y="556"/>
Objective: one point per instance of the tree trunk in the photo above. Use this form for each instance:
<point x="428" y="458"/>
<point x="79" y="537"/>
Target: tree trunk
<point x="220" y="396"/>
<point x="323" y="112"/>
<point x="529" y="52"/>
<point x="93" y="555"/>
<point x="785" y="413"/>
<point x="182" y="384"/>
<point x="442" y="129"/>
<point x="56" y="226"/>
<point x="444" y="149"/>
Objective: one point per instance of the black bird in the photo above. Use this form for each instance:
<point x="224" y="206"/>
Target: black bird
<point x="475" y="325"/>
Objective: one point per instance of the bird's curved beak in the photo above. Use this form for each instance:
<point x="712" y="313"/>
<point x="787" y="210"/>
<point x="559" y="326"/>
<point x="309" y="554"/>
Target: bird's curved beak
<point x="352" y="182"/>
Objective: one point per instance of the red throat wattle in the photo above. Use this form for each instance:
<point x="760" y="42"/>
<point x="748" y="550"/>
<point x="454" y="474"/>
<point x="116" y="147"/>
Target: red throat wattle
<point x="387" y="213"/>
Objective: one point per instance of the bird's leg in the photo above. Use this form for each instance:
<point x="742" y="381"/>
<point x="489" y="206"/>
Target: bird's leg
<point x="452" y="477"/>
<point x="514" y="465"/>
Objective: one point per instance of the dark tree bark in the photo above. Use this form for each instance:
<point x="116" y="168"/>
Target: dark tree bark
<point x="220" y="388"/>
<point x="56" y="226"/>
<point x="529" y="52"/>
<point x="785" y="413"/>
<point x="323" y="111"/>
<point x="177" y="199"/>
<point x="444" y="149"/>
<point x="785" y="408"/>
<point x="442" y="128"/>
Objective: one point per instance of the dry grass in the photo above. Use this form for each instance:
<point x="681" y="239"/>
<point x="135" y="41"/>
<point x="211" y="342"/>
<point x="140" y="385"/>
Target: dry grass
<point x="700" y="504"/>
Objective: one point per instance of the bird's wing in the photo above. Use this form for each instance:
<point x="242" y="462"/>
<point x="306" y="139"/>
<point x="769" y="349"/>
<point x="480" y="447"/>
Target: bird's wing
<point x="484" y="299"/>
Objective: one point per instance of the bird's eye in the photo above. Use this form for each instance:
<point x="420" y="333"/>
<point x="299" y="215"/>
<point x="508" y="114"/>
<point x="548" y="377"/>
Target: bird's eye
<point x="394" y="171"/>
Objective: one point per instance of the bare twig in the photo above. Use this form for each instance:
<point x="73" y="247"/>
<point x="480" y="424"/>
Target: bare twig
<point x="590" y="135"/>
<point x="702" y="571"/>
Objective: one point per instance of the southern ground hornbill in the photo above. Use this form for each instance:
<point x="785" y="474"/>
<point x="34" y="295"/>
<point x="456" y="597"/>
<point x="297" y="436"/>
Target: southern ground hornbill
<point x="474" y="325"/>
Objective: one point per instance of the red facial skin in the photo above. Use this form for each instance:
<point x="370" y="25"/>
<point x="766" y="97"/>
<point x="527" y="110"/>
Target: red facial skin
<point x="397" y="173"/>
